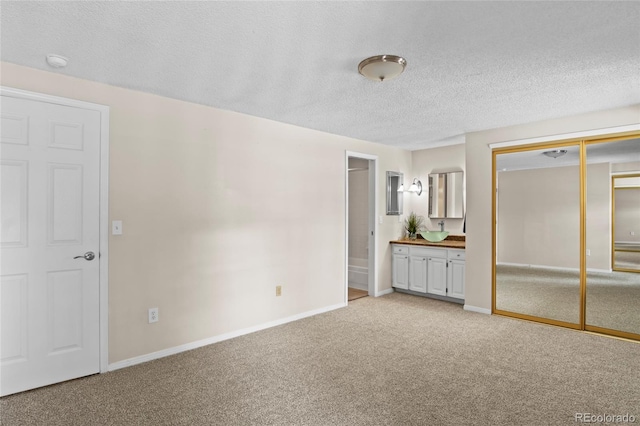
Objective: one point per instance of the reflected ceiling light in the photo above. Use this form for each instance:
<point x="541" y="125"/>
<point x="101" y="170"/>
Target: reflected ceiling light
<point x="416" y="187"/>
<point x="555" y="153"/>
<point x="382" y="67"/>
<point x="57" y="61"/>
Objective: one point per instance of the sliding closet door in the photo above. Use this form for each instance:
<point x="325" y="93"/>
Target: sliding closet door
<point x="537" y="234"/>
<point x="613" y="237"/>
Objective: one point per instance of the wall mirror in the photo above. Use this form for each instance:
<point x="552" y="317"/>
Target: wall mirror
<point x="394" y="193"/>
<point x="446" y="195"/>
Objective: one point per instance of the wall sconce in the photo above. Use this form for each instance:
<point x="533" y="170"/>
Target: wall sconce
<point x="416" y="186"/>
<point x="401" y="187"/>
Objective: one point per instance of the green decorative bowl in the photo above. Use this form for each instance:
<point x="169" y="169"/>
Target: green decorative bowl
<point x="434" y="236"/>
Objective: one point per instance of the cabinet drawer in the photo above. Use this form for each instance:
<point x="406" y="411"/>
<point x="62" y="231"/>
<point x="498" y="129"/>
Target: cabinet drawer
<point x="400" y="249"/>
<point x="428" y="252"/>
<point x="456" y="254"/>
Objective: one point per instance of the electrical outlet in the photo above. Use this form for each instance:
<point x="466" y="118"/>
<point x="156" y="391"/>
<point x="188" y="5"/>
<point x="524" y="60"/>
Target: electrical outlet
<point x="588" y="252"/>
<point x="278" y="290"/>
<point x="632" y="233"/>
<point x="154" y="315"/>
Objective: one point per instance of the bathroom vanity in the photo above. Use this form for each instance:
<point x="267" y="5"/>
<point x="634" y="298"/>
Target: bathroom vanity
<point x="428" y="269"/>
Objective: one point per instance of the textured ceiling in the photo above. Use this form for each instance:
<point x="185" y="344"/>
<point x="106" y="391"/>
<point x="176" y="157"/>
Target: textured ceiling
<point x="471" y="65"/>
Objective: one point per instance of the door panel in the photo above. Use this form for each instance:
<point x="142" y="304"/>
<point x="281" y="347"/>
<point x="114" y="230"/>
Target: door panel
<point x="613" y="238"/>
<point x="50" y="214"/>
<point x="418" y="274"/>
<point x="437" y="276"/>
<point x="537" y="225"/>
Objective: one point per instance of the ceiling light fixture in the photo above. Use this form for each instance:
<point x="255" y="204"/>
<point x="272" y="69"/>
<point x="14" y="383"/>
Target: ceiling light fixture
<point x="382" y="67"/>
<point x="555" y="153"/>
<point x="57" y="61"/>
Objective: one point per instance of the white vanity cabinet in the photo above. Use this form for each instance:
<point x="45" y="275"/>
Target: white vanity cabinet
<point x="430" y="271"/>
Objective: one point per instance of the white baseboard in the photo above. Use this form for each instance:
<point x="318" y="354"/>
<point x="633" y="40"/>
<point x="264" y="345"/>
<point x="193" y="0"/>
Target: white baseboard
<point x="211" y="340"/>
<point x="552" y="268"/>
<point x="477" y="309"/>
<point x="383" y="292"/>
<point x="358" y="286"/>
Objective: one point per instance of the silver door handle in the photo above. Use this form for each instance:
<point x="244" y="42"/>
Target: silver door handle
<point x="87" y="256"/>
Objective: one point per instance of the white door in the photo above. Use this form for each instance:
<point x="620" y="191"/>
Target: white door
<point x="401" y="271"/>
<point x="49" y="297"/>
<point x="456" y="278"/>
<point x="437" y="276"/>
<point x="418" y="274"/>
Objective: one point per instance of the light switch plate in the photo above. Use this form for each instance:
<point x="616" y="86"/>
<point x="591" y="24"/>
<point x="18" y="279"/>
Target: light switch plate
<point x="116" y="227"/>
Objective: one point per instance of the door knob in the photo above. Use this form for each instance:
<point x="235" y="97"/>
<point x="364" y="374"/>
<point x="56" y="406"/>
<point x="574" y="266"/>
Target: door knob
<point x="87" y="256"/>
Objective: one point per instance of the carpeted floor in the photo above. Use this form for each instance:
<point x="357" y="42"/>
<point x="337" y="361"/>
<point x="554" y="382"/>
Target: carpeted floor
<point x="613" y="299"/>
<point x="393" y="360"/>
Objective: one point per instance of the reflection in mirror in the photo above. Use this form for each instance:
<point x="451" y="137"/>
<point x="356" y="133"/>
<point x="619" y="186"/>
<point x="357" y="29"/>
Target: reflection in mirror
<point x="394" y="193"/>
<point x="626" y="223"/>
<point x="446" y="195"/>
<point x="613" y="240"/>
<point x="537" y="209"/>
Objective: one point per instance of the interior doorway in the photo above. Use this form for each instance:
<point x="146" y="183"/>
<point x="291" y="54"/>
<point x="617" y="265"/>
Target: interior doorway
<point x="361" y="171"/>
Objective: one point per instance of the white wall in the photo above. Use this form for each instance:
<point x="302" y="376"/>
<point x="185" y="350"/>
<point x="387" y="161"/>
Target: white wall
<point x="479" y="177"/>
<point x="435" y="160"/>
<point x="218" y="208"/>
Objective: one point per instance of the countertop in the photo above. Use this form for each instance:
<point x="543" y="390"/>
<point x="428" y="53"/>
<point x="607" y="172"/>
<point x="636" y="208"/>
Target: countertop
<point x="452" y="241"/>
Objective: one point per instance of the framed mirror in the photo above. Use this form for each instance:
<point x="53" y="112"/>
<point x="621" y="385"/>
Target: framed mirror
<point x="394" y="193"/>
<point x="445" y="195"/>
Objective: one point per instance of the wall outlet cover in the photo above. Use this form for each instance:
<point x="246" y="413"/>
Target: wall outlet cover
<point x="154" y="315"/>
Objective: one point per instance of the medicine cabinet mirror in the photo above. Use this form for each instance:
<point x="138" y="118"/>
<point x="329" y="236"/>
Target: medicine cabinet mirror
<point x="445" y="195"/>
<point x="394" y="197"/>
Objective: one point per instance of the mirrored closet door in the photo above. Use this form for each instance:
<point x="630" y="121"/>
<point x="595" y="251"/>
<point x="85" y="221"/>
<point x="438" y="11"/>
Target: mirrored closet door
<point x="567" y="234"/>
<point x="613" y="237"/>
<point x="537" y="234"/>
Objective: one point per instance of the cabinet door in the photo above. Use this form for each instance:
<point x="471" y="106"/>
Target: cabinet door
<point x="401" y="271"/>
<point x="455" y="278"/>
<point x="437" y="276"/>
<point x="418" y="274"/>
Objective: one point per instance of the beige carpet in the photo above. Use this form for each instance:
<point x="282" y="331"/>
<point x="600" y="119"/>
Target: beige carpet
<point x="613" y="299"/>
<point x="393" y="360"/>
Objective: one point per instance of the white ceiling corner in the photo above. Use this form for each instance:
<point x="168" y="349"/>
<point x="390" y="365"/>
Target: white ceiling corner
<point x="470" y="65"/>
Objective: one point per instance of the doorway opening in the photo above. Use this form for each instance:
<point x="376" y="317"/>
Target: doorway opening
<point x="360" y="225"/>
